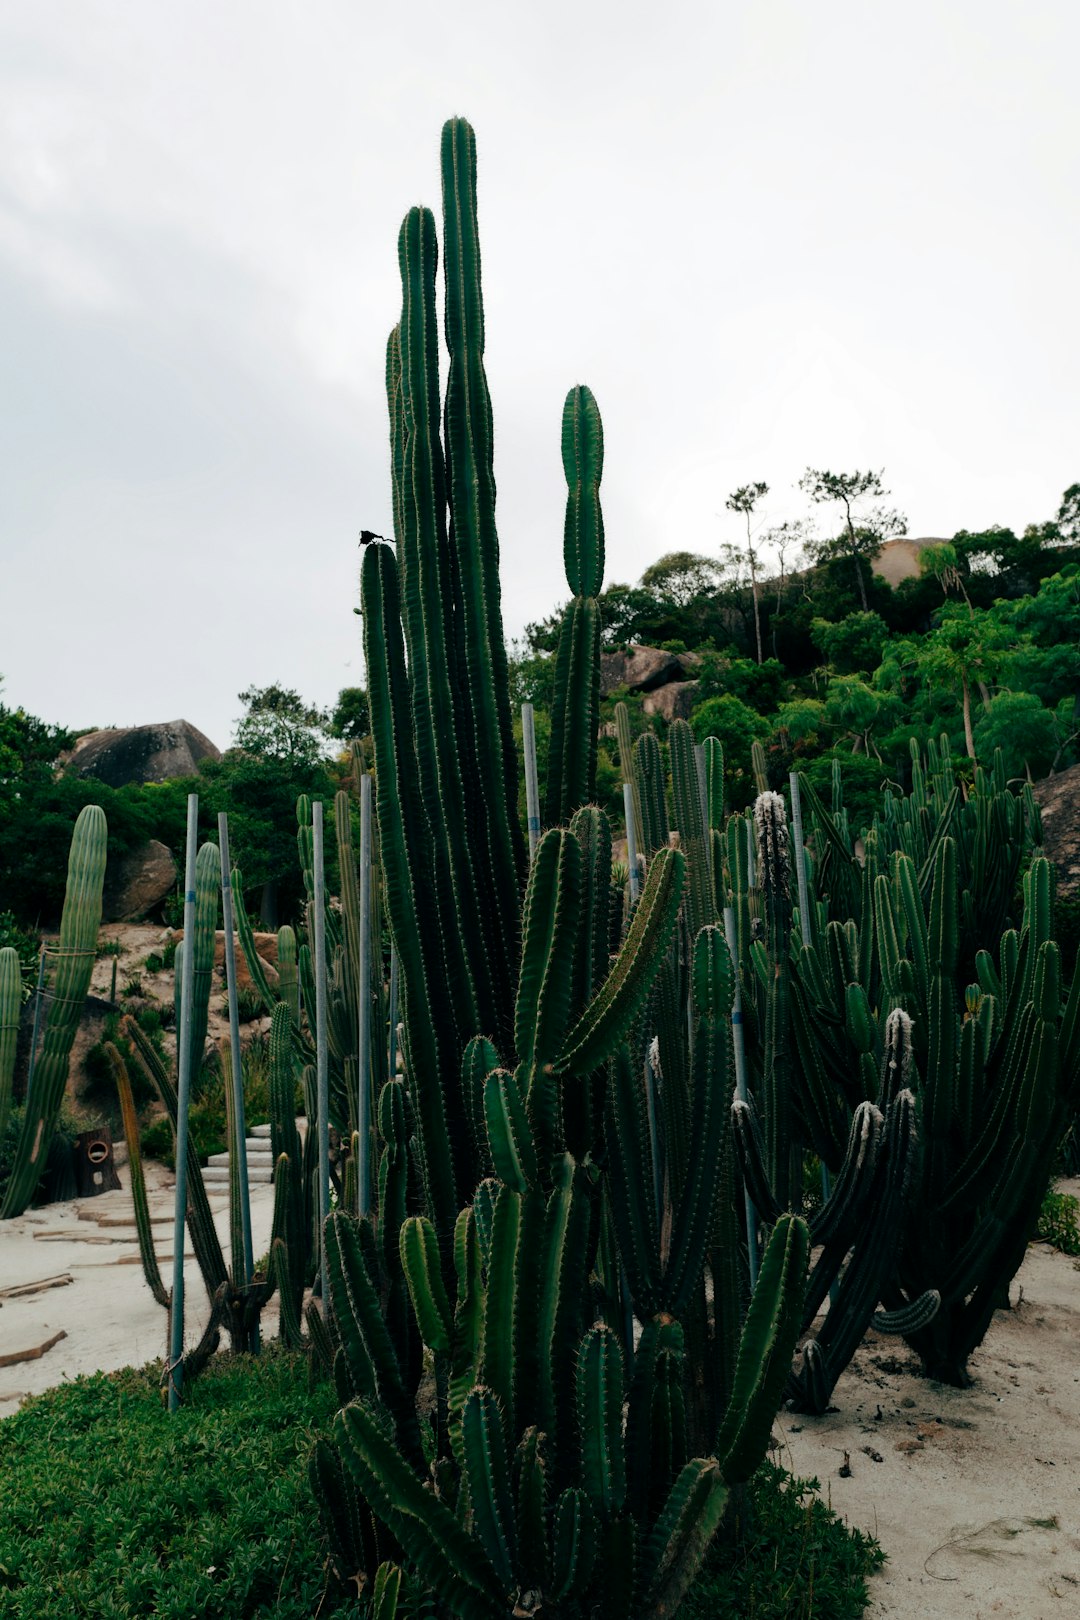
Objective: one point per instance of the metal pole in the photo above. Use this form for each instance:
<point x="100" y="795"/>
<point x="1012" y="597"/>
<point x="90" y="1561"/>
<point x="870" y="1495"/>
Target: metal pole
<point x="393" y="1019"/>
<point x="532" y="789"/>
<point x="234" y="1054"/>
<point x="363" y="1111"/>
<point x="631" y="841"/>
<point x="39" y="995"/>
<point x="751" y="854"/>
<point x="322" y="1078"/>
<point x="183" y="1101"/>
<point x="739" y="1050"/>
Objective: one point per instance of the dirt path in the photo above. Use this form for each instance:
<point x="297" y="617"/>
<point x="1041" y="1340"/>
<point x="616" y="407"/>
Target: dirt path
<point x="105" y="1314"/>
<point x="974" y="1494"/>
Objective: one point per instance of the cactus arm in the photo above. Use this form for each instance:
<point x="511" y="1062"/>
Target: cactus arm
<point x="575" y="712"/>
<point x="633" y="1192"/>
<point x="255" y="965"/>
<point x="765" y="1350"/>
<point x="549" y="928"/>
<point x="690" y="823"/>
<point x="559" y="1310"/>
<point x="445" y="1554"/>
<point x="405" y="851"/>
<point x="468" y="423"/>
<point x="573" y="1543"/>
<point x="421" y="1263"/>
<point x="143" y="1226"/>
<point x="583" y="465"/>
<point x="649" y="781"/>
<point x="681" y="1537"/>
<point x="600" y="1404"/>
<point x="204" y="1238"/>
<point x="358" y="1312"/>
<point x="909" y="1318"/>
<point x="484" y="1448"/>
<point x="530" y="1511"/>
<point x="603" y="1024"/>
<point x="510" y="1138"/>
<point x="497" y="1334"/>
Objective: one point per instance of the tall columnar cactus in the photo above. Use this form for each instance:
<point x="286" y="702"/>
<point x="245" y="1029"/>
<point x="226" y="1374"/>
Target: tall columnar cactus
<point x="73" y="959"/>
<point x="575" y="715"/>
<point x="10" y="1008"/>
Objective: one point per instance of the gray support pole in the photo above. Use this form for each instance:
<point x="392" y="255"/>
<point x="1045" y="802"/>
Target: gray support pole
<point x="234" y="1052"/>
<point x="39" y="996"/>
<point x="532" y="787"/>
<point x="738" y="1046"/>
<point x="631" y="841"/>
<point x="322" y="1076"/>
<point x="751" y="854"/>
<point x="363" y="1110"/>
<point x="393" y="1014"/>
<point x="183" y="1102"/>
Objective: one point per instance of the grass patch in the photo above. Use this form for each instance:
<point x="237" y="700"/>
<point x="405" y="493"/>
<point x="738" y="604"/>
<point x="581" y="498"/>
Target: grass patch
<point x="796" y="1561"/>
<point x="111" y="1507"/>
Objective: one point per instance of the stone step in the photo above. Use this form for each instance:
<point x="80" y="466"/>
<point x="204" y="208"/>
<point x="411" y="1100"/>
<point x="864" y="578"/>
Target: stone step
<point x="259" y="1158"/>
<point x="217" y="1175"/>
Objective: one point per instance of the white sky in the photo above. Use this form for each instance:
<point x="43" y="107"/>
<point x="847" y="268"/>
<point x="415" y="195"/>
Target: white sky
<point x="767" y="233"/>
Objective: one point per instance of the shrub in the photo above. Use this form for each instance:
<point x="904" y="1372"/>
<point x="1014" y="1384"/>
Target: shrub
<point x="110" y="1506"/>
<point x="1059" y="1222"/>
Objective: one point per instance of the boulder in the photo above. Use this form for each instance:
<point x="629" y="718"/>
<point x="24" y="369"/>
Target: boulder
<point x="1058" y="798"/>
<point x="643" y="669"/>
<point x="137" y="883"/>
<point x="266" y="949"/>
<point x="140" y="753"/>
<point x="673" y="701"/>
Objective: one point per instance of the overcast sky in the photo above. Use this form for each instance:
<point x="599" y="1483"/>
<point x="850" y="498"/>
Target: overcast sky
<point x="767" y="234"/>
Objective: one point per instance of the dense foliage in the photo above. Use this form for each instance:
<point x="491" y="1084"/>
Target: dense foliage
<point x="984" y="645"/>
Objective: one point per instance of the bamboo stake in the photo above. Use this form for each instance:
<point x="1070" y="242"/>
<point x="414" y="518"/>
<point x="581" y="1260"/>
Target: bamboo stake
<point x="234" y="1053"/>
<point x="363" y="1112"/>
<point x="532" y="787"/>
<point x="322" y="1076"/>
<point x="183" y="1103"/>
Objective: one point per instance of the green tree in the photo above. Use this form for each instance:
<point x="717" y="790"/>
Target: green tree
<point x="743" y="501"/>
<point x="680" y="576"/>
<point x="736" y="725"/>
<point x="279" y="725"/>
<point x="1031" y="737"/>
<point x="862" y="540"/>
<point x="349" y="719"/>
<point x="854" y="646"/>
<point x="965" y="648"/>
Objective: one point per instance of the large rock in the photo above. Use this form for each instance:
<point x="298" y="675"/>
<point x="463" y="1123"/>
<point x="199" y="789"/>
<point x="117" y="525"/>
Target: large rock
<point x="644" y="669"/>
<point x="137" y="883"/>
<point x="1058" y="797"/>
<point x="673" y="701"/>
<point x="140" y="753"/>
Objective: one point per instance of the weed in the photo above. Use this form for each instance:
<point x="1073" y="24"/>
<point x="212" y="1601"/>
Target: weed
<point x="1059" y="1222"/>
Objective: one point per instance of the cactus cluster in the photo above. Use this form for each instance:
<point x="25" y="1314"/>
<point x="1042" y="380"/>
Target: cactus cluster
<point x="73" y="963"/>
<point x="557" y="1158"/>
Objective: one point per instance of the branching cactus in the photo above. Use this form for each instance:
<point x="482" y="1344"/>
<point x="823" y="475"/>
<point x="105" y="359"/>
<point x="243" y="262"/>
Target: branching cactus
<point x="73" y="958"/>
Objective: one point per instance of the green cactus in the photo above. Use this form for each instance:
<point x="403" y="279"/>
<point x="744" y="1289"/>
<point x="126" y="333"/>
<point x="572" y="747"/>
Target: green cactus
<point x="10" y="1008"/>
<point x="74" y="963"/>
<point x="576" y="712"/>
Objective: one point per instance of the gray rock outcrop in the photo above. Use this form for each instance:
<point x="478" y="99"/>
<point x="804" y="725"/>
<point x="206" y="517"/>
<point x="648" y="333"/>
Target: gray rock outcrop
<point x="140" y="753"/>
<point x="644" y="669"/>
<point x="137" y="882"/>
<point x="1058" y="798"/>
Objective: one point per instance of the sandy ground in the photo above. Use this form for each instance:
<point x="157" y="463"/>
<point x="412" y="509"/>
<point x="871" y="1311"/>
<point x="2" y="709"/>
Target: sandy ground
<point x="974" y="1494"/>
<point x="102" y="1304"/>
